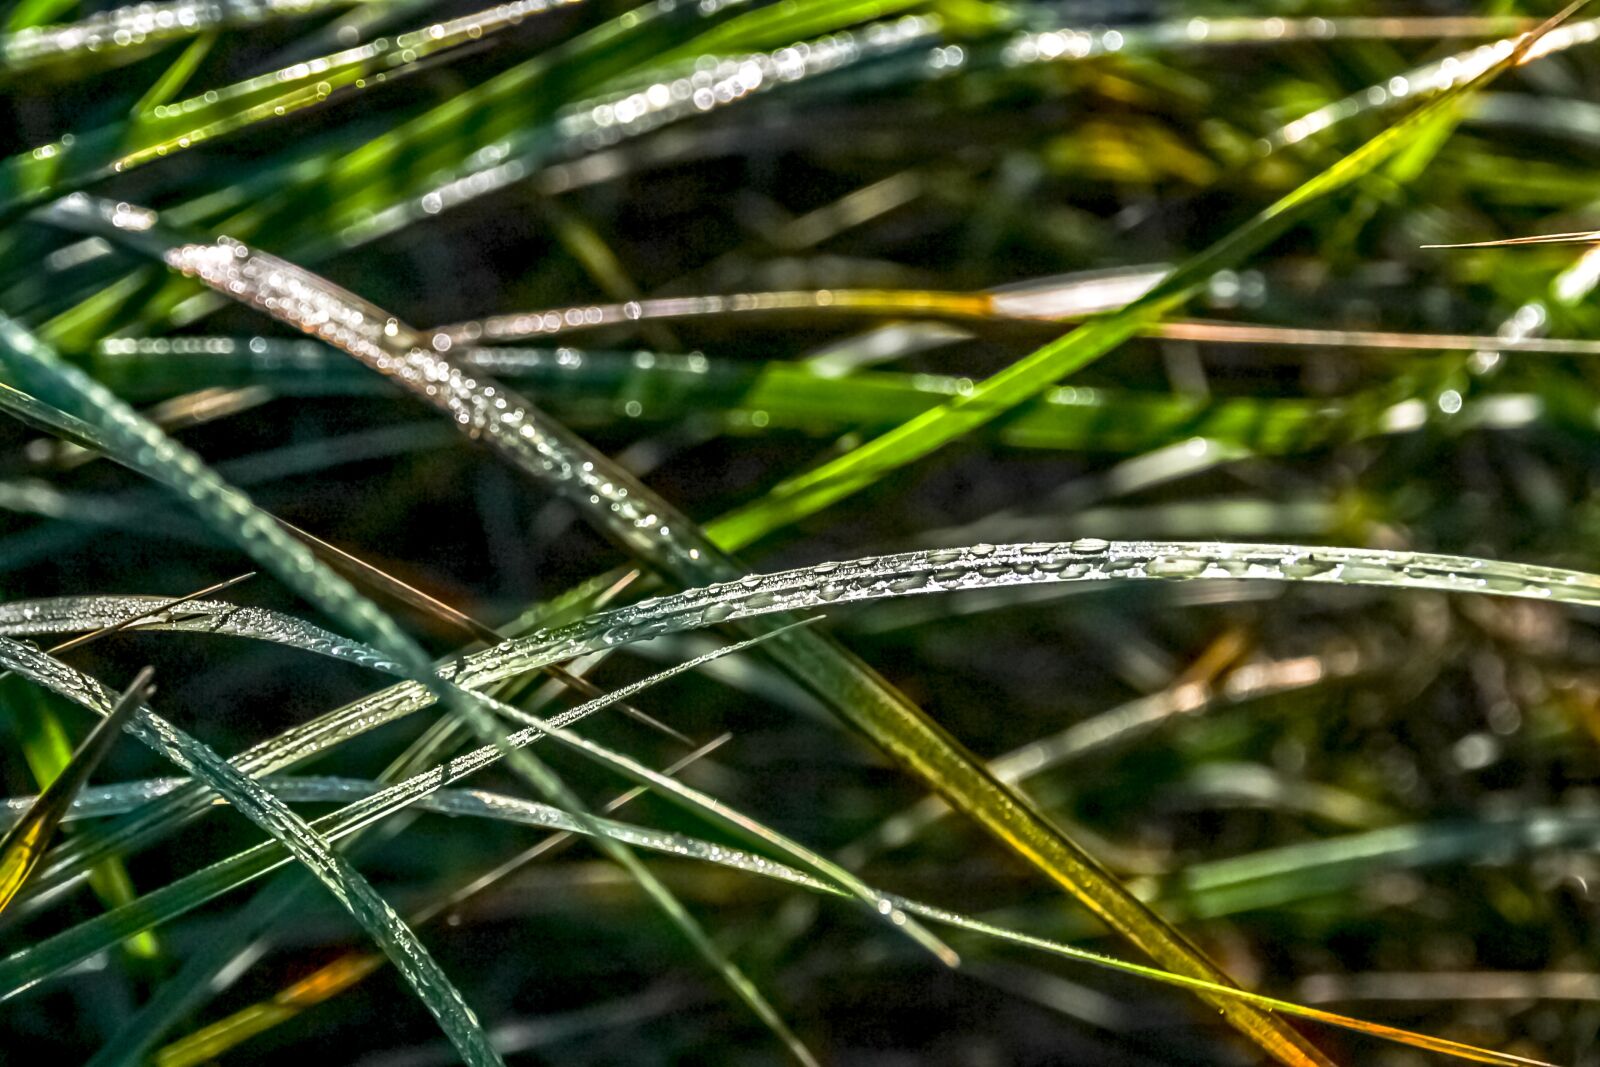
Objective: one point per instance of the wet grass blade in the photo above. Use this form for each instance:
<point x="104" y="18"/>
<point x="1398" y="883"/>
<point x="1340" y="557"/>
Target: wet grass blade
<point x="359" y="570"/>
<point x="473" y="803"/>
<point x="859" y="468"/>
<point x="124" y="33"/>
<point x="175" y="77"/>
<point x="161" y="607"/>
<point x="333" y="978"/>
<point x="137" y="443"/>
<point x="25" y="842"/>
<point x="250" y="799"/>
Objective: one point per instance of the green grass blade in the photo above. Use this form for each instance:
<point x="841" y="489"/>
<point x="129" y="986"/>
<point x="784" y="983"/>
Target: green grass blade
<point x="24" y="843"/>
<point x="47" y="750"/>
<point x="347" y="884"/>
<point x="175" y="77"/>
<point x="76" y="614"/>
<point x="474" y="803"/>
<point x="137" y="442"/>
<point x="837" y="479"/>
<point x="33" y="965"/>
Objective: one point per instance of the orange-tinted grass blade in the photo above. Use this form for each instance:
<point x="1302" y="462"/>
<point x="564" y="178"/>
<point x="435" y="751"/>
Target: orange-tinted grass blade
<point x="1523" y="52"/>
<point x="344" y="972"/>
<point x="206" y="1044"/>
<point x="1233" y="333"/>
<point x="1025" y="307"/>
<point x="1411" y="1038"/>
<point x="1216" y="659"/>
<point x="24" y="843"/>
<point x="356" y="568"/>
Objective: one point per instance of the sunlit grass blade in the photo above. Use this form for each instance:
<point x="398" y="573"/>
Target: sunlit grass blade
<point x="175" y="77"/>
<point x="55" y="168"/>
<point x="754" y="398"/>
<point x="1120" y="725"/>
<point x="24" y="843"/>
<point x="126" y="32"/>
<point x="370" y="213"/>
<point x="837" y="479"/>
<point x="1585" y="237"/>
<point x="1019" y="305"/>
<point x="326" y="982"/>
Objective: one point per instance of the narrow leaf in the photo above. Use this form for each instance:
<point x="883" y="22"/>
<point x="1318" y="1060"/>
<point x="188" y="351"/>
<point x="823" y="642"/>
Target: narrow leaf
<point x="25" y="842"/>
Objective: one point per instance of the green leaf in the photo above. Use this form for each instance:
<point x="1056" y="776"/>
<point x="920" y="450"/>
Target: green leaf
<point x="24" y="843"/>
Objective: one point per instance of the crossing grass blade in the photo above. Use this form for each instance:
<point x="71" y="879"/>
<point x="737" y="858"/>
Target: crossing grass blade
<point x="807" y="493"/>
<point x="123" y="433"/>
<point x="473" y="803"/>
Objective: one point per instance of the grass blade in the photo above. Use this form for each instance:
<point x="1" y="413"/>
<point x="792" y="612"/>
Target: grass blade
<point x="140" y="444"/>
<point x="126" y="32"/>
<point x="473" y="803"/>
<point x="628" y="510"/>
<point x="333" y="978"/>
<point x="348" y="886"/>
<point x="24" y="843"/>
<point x="822" y="486"/>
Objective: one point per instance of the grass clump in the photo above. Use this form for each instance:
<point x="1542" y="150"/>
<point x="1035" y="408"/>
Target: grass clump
<point x="1075" y="406"/>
